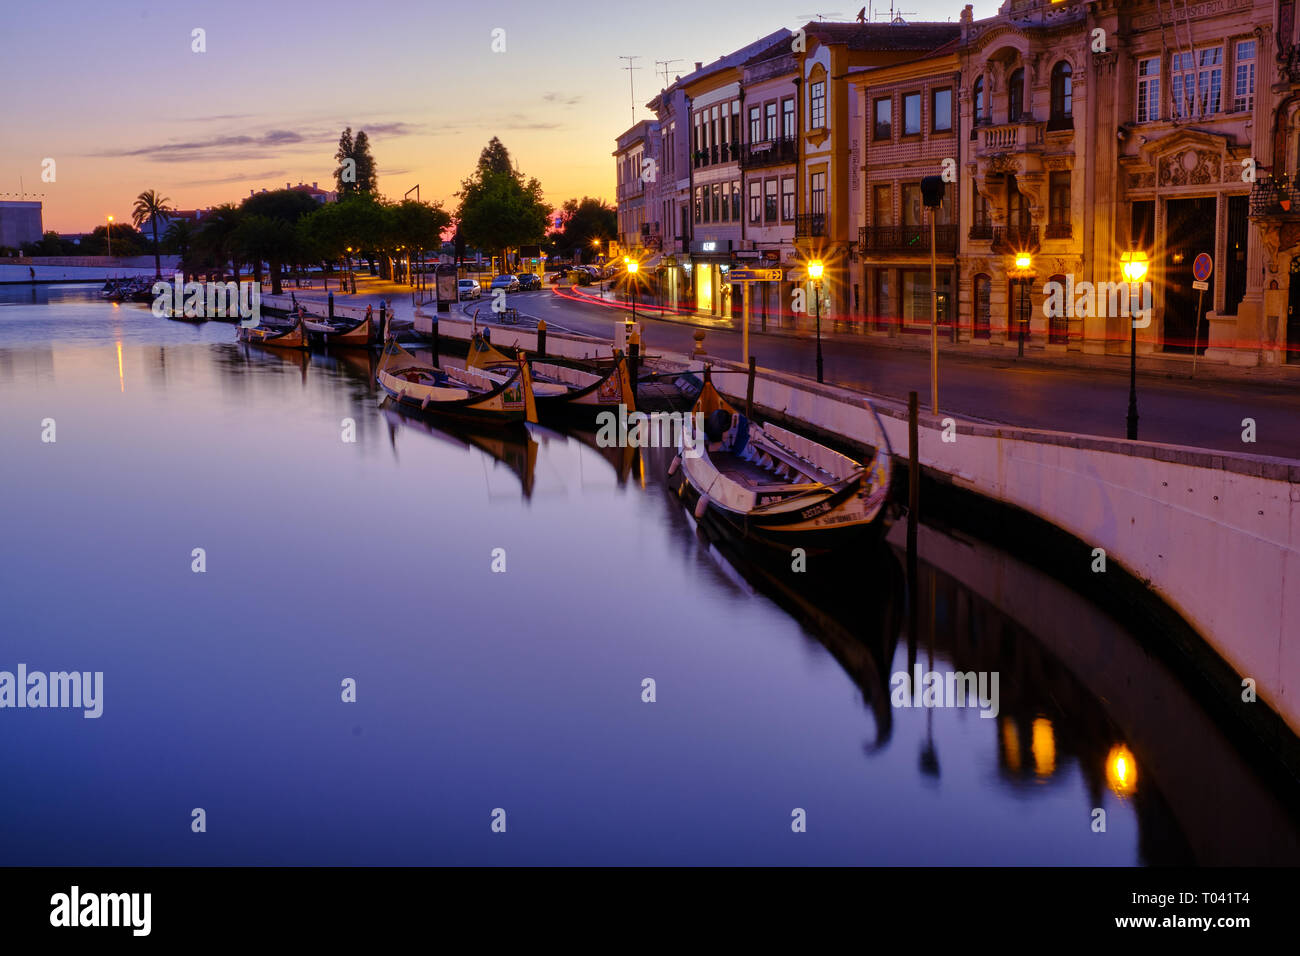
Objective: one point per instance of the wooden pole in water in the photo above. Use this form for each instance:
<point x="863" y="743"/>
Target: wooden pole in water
<point x="749" y="389"/>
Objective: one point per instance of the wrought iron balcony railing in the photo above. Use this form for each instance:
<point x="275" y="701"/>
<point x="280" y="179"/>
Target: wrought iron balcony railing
<point x="982" y="230"/>
<point x="1010" y="239"/>
<point x="810" y="224"/>
<point x="769" y="152"/>
<point x="1275" y="197"/>
<point x="907" y="239"/>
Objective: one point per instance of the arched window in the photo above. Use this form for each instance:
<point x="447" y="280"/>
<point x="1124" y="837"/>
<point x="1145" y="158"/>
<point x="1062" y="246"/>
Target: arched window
<point x="1016" y="96"/>
<point x="981" y="117"/>
<point x="1058" y="322"/>
<point x="1062" y="98"/>
<point x="983" y="306"/>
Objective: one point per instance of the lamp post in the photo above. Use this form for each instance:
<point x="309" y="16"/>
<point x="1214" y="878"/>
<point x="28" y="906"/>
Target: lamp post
<point x="1023" y="275"/>
<point x="108" y="235"/>
<point x="815" y="270"/>
<point x="1134" y="266"/>
<point x="632" y="267"/>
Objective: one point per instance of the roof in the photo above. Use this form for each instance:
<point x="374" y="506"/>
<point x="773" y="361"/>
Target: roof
<point x="885" y="37"/>
<point x="735" y="58"/>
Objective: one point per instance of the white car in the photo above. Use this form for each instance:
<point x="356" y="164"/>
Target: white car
<point x="469" y="289"/>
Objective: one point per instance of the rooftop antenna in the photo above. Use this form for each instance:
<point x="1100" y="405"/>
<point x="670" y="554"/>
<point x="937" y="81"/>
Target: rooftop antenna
<point x="630" y="86"/>
<point x="665" y="65"/>
<point x="896" y="16"/>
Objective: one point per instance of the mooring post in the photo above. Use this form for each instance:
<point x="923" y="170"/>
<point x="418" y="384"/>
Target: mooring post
<point x="749" y="389"/>
<point x="634" y="355"/>
<point x="913" y="509"/>
<point x="541" y="337"/>
<point x="433" y="327"/>
<point x="331" y="305"/>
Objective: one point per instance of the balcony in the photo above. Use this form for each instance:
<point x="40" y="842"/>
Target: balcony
<point x="769" y="152"/>
<point x="1026" y="137"/>
<point x="1012" y="239"/>
<point x="810" y="224"/>
<point x="913" y="239"/>
<point x="1274" y="198"/>
<point x="982" y="230"/>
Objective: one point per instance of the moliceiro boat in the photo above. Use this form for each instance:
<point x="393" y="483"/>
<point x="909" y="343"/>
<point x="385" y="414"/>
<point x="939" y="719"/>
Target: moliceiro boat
<point x="360" y="334"/>
<point x="293" y="337"/>
<point x="464" y="393"/>
<point x="777" y="487"/>
<point x="564" y="391"/>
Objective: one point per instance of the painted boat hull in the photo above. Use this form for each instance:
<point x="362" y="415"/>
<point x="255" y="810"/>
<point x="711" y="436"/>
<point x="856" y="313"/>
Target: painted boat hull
<point x="294" y="338"/>
<point x="510" y="402"/>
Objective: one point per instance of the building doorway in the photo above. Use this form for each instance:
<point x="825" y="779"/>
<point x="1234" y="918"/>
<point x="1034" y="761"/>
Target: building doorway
<point x="1293" y="314"/>
<point x="1189" y="231"/>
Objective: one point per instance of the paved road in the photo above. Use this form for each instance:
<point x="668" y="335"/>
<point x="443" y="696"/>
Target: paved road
<point x="1206" y="414"/>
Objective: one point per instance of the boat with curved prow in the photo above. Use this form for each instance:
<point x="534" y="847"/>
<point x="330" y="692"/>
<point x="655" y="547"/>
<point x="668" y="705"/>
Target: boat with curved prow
<point x="464" y="393"/>
<point x="293" y="337"/>
<point x="777" y="487"/>
<point x="564" y="391"/>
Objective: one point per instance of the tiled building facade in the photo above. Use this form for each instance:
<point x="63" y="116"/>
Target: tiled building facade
<point x="1072" y="132"/>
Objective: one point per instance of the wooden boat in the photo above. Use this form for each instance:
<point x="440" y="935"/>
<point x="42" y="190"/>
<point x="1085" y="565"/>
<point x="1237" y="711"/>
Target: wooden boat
<point x="293" y="337"/>
<point x="562" y="390"/>
<point x="359" y="334"/>
<point x="464" y="393"/>
<point x="775" y="486"/>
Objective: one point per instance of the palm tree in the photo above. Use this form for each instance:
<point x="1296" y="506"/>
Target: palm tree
<point x="149" y="205"/>
<point x="217" y="236"/>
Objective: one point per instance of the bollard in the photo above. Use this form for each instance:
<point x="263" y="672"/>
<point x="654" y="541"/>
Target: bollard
<point x="749" y="389"/>
<point x="634" y="355"/>
<point x="541" y="337"/>
<point x="331" y="305"/>
<point x="434" y="331"/>
<point x="699" y="342"/>
<point x="383" y="319"/>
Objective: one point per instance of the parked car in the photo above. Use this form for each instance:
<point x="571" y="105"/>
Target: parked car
<point x="529" y="281"/>
<point x="558" y="276"/>
<point x="507" y="282"/>
<point x="469" y="289"/>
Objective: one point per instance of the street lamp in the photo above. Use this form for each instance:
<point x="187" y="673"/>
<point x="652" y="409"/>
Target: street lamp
<point x="108" y="235"/>
<point x="1023" y="277"/>
<point x="815" y="270"/>
<point x="632" y="266"/>
<point x="1134" y="266"/>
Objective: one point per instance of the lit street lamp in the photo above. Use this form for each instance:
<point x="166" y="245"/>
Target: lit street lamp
<point x="632" y="266"/>
<point x="1023" y="275"/>
<point x="108" y="235"/>
<point x="815" y="270"/>
<point x="1134" y="266"/>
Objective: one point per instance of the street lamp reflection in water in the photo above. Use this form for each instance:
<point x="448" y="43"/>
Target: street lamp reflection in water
<point x="1121" y="771"/>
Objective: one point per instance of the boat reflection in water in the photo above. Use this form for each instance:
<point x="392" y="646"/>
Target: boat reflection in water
<point x="1084" y="712"/>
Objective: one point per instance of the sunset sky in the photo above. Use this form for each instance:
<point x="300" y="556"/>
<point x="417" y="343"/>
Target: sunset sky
<point x="113" y="93"/>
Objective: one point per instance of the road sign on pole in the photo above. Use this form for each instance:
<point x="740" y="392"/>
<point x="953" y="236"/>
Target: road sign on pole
<point x="1201" y="269"/>
<point x="754" y="275"/>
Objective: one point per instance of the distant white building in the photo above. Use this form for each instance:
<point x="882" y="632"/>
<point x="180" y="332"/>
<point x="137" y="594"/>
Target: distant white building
<point x="20" y="221"/>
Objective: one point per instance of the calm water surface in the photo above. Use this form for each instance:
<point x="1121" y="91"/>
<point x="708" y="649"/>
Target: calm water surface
<point x="520" y="690"/>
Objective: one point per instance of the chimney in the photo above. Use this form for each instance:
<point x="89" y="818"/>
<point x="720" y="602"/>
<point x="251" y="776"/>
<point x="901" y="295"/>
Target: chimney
<point x="699" y="65"/>
<point x="314" y="186"/>
<point x="286" y="185"/>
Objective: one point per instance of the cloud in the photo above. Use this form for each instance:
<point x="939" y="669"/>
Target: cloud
<point x="561" y="99"/>
<point x="237" y="178"/>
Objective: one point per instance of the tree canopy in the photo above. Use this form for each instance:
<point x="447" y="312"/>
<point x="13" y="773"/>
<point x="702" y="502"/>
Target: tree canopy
<point x="584" y="220"/>
<point x="360" y="175"/>
<point x="499" y="210"/>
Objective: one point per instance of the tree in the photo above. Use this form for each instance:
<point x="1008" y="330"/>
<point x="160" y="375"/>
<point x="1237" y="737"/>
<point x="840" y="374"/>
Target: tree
<point x="149" y="205"/>
<point x="277" y="242"/>
<point x="498" y="209"/>
<point x="216" y="237"/>
<point x="345" y="175"/>
<point x="582" y="221"/>
<point x="180" y="240"/>
<point x="367" y="177"/>
<point x="126" y="241"/>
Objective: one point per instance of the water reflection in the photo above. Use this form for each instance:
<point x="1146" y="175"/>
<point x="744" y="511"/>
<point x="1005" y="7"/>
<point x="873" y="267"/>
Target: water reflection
<point x="523" y="689"/>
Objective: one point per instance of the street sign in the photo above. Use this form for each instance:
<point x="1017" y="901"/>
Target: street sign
<point x="1202" y="267"/>
<point x="754" y="275"/>
<point x="1202" y="286"/>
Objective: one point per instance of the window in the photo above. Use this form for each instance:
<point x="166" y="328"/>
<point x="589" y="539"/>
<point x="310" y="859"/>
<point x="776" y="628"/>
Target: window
<point x="912" y="204"/>
<point x="787" y="199"/>
<point x="983" y="306"/>
<point x="755" y="201"/>
<point x="725" y="209"/>
<point x="917" y="299"/>
<point x="1016" y="96"/>
<point x="1148" y="91"/>
<point x="1196" y="82"/>
<point x="884" y="119"/>
<point x="884" y="297"/>
<point x="770" y="116"/>
<point x="726" y="124"/>
<point x="818" y="194"/>
<point x="882" y="205"/>
<point x="1243" y="93"/>
<point x="769" y="201"/>
<point x="817" y="110"/>
<point x="735" y="200"/>
<point x="911" y="114"/>
<point x="717" y="196"/>
<point x="941" y="110"/>
<point x="1062" y="97"/>
<point x="1058" y="192"/>
<point x="983" y="218"/>
<point x="735" y="122"/>
<point x="977" y="97"/>
<point x="1058" y="325"/>
<point x="698" y="210"/>
<point x="1018" y="217"/>
<point x="787" y="118"/>
<point x="755" y="125"/>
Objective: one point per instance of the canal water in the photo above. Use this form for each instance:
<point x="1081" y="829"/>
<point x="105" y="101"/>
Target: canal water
<point x="520" y="689"/>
